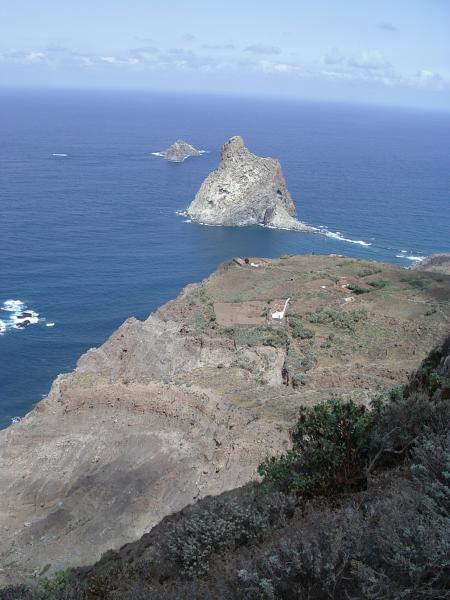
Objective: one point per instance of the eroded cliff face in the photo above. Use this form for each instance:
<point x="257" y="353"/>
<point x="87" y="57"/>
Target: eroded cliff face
<point x="189" y="401"/>
<point x="245" y="189"/>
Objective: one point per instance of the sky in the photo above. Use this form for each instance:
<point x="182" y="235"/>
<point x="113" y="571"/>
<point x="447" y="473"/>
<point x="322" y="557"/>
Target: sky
<point x="384" y="51"/>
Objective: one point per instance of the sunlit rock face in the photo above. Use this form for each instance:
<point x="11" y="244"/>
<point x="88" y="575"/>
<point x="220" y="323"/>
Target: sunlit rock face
<point x="245" y="189"/>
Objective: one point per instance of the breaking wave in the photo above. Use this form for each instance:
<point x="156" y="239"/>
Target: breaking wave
<point x="410" y="257"/>
<point x="19" y="316"/>
<point x="336" y="235"/>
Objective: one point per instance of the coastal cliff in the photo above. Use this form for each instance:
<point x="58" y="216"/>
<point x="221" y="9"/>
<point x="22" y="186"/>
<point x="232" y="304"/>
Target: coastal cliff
<point x="245" y="189"/>
<point x="187" y="403"/>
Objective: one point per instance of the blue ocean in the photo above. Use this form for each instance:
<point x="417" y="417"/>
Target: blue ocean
<point x="89" y="230"/>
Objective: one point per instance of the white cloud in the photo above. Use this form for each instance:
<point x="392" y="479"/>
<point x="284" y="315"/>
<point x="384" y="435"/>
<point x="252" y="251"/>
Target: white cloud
<point x="367" y="66"/>
<point x="262" y="49"/>
<point x="109" y="59"/>
<point x="369" y="60"/>
<point x="276" y="67"/>
<point x="22" y="57"/>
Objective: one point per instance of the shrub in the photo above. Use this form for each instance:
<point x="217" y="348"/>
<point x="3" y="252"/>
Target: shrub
<point x="296" y="365"/>
<point x="298" y="330"/>
<point x="419" y="284"/>
<point x="193" y="541"/>
<point x="330" y="447"/>
<point x="337" y="445"/>
<point x="368" y="271"/>
<point x="378" y="283"/>
<point x="357" y="289"/>
<point x="255" y="336"/>
<point x="339" y="318"/>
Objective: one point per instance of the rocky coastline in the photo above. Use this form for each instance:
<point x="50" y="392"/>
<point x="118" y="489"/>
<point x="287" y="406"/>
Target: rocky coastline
<point x="188" y="402"/>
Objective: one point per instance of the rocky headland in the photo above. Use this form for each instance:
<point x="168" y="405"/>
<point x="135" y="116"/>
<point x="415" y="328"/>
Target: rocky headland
<point x="245" y="189"/>
<point x="187" y="403"/>
<point x="179" y="151"/>
<point x="436" y="263"/>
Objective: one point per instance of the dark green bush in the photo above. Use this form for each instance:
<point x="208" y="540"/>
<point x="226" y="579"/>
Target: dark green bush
<point x="419" y="284"/>
<point x="378" y="283"/>
<point x="368" y="271"/>
<point x="339" y="318"/>
<point x="298" y="330"/>
<point x="338" y="445"/>
<point x="357" y="289"/>
<point x="330" y="449"/>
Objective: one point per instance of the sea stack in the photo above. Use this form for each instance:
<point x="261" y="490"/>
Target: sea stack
<point x="245" y="189"/>
<point x="179" y="151"/>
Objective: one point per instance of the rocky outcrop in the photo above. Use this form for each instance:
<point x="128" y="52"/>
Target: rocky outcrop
<point x="436" y="263"/>
<point x="245" y="189"/>
<point x="179" y="151"/>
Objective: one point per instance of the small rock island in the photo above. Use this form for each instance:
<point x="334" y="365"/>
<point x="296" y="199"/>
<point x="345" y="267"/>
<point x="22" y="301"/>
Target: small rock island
<point x="179" y="151"/>
<point x="245" y="189"/>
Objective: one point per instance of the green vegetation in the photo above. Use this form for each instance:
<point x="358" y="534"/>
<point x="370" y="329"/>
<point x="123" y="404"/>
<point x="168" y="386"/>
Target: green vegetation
<point x="337" y="445"/>
<point x="368" y="271"/>
<point x="226" y="526"/>
<point x="296" y="365"/>
<point x="378" y="283"/>
<point x="254" y="336"/>
<point x="339" y="318"/>
<point x="357" y="289"/>
<point x="330" y="450"/>
<point x="298" y="330"/>
<point x="418" y="283"/>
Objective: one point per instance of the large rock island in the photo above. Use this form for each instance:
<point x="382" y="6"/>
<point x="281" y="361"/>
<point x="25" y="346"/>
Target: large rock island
<point x="245" y="189"/>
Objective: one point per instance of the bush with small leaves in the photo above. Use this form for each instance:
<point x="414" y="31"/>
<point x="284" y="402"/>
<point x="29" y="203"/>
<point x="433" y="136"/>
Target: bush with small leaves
<point x="357" y="289"/>
<point x="378" y="284"/>
<point x="193" y="541"/>
<point x="298" y="330"/>
<point x="339" y="318"/>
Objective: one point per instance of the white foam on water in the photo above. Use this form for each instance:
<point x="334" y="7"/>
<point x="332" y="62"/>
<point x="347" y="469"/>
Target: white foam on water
<point x="409" y="257"/>
<point x="281" y="228"/>
<point x="187" y="221"/>
<point x="337" y="235"/>
<point x="20" y="316"/>
<point x="162" y="154"/>
<point x="60" y="154"/>
<point x="49" y="324"/>
<point x="13" y="305"/>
